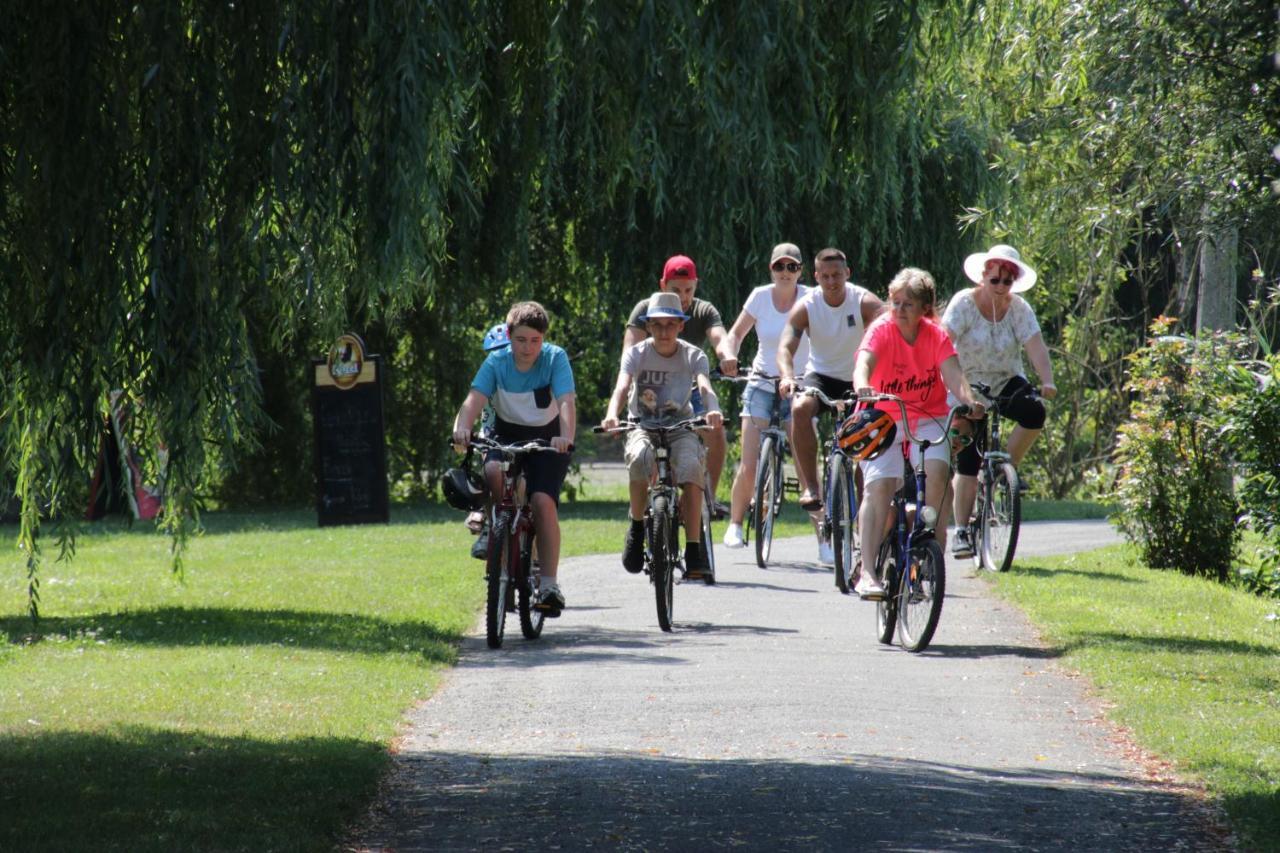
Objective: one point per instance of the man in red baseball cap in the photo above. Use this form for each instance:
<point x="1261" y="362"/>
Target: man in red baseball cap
<point x="680" y="276"/>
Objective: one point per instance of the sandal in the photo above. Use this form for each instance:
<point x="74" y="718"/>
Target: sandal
<point x="812" y="504"/>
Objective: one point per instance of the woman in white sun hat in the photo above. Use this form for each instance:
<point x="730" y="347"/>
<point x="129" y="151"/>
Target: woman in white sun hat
<point x="991" y="326"/>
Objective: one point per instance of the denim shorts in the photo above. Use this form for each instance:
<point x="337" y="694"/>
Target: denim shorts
<point x="757" y="403"/>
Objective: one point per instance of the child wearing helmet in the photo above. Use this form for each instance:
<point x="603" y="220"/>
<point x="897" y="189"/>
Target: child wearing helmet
<point x="494" y="339"/>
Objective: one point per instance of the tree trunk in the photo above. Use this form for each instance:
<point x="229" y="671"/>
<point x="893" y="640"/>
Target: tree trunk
<point x="1216" y="302"/>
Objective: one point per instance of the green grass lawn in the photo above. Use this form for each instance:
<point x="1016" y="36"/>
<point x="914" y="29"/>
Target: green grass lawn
<point x="1192" y="667"/>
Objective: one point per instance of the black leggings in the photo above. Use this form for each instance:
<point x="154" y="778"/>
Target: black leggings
<point x="1017" y="404"/>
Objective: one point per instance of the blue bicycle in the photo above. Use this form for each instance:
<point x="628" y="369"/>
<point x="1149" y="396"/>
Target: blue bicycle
<point x="910" y="563"/>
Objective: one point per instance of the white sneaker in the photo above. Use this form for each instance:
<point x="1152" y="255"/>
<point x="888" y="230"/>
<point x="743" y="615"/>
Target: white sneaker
<point x="733" y="536"/>
<point x="826" y="556"/>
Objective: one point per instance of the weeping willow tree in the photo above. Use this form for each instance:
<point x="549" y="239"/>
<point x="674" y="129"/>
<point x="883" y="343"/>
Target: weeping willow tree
<point x="198" y="191"/>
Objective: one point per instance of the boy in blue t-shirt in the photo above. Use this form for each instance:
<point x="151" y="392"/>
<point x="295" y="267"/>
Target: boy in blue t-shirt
<point x="530" y="386"/>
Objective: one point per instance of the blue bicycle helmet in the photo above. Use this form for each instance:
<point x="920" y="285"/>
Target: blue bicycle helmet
<point x="496" y="338"/>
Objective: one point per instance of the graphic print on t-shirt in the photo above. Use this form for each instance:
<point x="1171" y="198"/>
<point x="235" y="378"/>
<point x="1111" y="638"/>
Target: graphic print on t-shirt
<point x="651" y="396"/>
<point x="907" y="383"/>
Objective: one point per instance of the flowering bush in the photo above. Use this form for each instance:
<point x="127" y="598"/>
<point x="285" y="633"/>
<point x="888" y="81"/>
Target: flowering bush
<point x="1175" y="492"/>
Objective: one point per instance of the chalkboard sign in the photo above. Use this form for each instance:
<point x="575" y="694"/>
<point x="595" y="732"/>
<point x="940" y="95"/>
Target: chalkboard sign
<point x="351" y="457"/>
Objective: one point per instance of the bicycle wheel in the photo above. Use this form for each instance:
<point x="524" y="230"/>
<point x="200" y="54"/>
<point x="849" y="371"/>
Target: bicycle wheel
<point x="844" y="516"/>
<point x="1000" y="519"/>
<point x="766" y="502"/>
<point x="662" y="552"/>
<point x="920" y="597"/>
<point x="886" y="571"/>
<point x="531" y="618"/>
<point x="708" y="543"/>
<point x="498" y="574"/>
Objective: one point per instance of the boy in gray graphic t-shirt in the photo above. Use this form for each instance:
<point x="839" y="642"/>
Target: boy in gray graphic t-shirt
<point x="654" y="383"/>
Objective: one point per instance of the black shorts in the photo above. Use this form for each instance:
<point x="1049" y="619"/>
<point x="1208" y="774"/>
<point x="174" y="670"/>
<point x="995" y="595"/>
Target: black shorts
<point x="544" y="471"/>
<point x="833" y="388"/>
<point x="1016" y="405"/>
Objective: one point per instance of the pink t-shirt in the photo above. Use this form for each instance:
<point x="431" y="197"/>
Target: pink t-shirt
<point x="911" y="371"/>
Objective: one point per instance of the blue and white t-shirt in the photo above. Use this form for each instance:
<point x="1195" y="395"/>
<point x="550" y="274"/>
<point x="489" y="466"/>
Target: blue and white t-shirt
<point x="525" y="402"/>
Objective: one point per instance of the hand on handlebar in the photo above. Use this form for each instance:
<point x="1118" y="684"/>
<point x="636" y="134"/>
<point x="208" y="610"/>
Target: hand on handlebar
<point x="561" y="444"/>
<point x="461" y="439"/>
<point x="714" y="419"/>
<point x="729" y="366"/>
<point x="610" y="423"/>
<point x="787" y="386"/>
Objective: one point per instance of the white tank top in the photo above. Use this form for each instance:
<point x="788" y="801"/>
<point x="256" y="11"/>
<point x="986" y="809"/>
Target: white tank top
<point x="834" y="332"/>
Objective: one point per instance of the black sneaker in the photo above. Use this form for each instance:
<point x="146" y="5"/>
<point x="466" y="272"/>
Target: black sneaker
<point x="550" y="600"/>
<point x="696" y="567"/>
<point x="633" y="549"/>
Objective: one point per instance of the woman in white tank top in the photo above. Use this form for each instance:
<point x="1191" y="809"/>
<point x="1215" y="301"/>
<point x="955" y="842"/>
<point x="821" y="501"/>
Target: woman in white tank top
<point x="765" y="310"/>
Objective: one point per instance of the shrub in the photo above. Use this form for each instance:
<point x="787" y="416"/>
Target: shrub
<point x="1177" y="502"/>
<point x="1253" y="430"/>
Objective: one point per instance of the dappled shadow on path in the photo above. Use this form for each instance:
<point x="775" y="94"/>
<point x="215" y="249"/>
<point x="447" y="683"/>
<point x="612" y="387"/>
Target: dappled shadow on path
<point x="634" y="801"/>
<point x="230" y="626"/>
<point x="749" y="585"/>
<point x="569" y="646"/>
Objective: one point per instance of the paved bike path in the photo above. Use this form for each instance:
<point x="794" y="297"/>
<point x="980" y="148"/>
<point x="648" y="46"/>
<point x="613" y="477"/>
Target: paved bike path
<point x="770" y="718"/>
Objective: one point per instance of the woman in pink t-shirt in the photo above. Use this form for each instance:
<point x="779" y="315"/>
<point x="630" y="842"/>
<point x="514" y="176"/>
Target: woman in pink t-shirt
<point x="907" y="353"/>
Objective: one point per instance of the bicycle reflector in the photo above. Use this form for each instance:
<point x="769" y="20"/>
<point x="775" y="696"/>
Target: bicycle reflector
<point x="463" y="489"/>
<point x="867" y="434"/>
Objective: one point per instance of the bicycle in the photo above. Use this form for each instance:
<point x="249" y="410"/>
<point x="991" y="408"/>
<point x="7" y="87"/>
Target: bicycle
<point x="841" y="500"/>
<point x="997" y="515"/>
<point x="510" y="571"/>
<point x="909" y="562"/>
<point x="771" y="481"/>
<point x="662" y="519"/>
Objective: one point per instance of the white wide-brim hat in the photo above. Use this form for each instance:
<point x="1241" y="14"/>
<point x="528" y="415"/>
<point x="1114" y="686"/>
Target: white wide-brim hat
<point x="977" y="262"/>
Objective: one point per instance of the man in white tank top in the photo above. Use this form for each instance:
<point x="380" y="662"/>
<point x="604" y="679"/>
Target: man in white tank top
<point x="835" y="314"/>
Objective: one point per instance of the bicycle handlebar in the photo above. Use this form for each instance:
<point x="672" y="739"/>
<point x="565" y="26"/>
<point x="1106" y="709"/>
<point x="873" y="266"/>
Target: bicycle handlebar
<point x="985" y="390"/>
<point x="533" y="446"/>
<point x="628" y="426"/>
<point x="961" y="410"/>
<point x="817" y="392"/>
<point x="743" y="379"/>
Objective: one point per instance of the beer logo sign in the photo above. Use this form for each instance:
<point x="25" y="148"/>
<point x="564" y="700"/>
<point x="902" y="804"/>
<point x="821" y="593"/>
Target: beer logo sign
<point x="346" y="360"/>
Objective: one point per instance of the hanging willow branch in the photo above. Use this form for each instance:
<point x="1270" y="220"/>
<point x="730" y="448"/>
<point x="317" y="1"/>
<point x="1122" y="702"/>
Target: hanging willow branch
<point x="195" y="188"/>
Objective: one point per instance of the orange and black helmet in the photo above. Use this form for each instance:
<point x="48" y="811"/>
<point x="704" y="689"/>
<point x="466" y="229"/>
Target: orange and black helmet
<point x="867" y="434"/>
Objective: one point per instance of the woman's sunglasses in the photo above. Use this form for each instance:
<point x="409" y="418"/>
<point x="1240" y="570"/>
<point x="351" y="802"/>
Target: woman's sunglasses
<point x="995" y="279"/>
<point x="787" y="267"/>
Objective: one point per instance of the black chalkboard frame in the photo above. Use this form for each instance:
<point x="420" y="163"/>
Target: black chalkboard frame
<point x="370" y="463"/>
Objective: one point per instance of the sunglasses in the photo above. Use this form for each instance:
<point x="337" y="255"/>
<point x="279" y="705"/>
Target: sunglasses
<point x="789" y="267"/>
<point x="995" y="279"/>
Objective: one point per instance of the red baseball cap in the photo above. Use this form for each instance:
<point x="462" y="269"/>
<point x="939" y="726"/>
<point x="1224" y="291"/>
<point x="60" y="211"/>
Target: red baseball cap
<point x="679" y="266"/>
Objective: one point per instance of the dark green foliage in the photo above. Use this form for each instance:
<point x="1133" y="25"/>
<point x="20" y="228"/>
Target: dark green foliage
<point x="1175" y="489"/>
<point x="1254" y="434"/>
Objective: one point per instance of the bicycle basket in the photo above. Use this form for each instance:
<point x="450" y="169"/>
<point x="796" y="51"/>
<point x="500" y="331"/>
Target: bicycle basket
<point x="463" y="489"/>
<point x="867" y="434"/>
